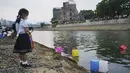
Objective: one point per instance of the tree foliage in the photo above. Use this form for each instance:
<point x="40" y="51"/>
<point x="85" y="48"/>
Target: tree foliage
<point x="113" y="8"/>
<point x="109" y="9"/>
<point x="54" y="21"/>
<point x="87" y="14"/>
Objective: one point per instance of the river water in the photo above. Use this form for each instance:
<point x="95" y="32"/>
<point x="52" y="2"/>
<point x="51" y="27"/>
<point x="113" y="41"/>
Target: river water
<point x="101" y="45"/>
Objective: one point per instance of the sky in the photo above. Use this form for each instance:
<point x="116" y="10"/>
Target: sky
<point x="39" y="10"/>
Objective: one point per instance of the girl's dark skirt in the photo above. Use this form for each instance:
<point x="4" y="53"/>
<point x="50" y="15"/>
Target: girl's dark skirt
<point x="23" y="44"/>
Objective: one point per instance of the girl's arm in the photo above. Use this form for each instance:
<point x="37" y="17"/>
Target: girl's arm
<point x="25" y="26"/>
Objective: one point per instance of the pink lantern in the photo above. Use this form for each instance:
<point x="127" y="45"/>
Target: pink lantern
<point x="59" y="49"/>
<point x="123" y="47"/>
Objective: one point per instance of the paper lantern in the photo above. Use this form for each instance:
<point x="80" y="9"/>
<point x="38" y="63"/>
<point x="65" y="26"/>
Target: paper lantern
<point x="75" y="52"/>
<point x="59" y="49"/>
<point x="94" y="65"/>
<point x="123" y="47"/>
<point x="103" y="66"/>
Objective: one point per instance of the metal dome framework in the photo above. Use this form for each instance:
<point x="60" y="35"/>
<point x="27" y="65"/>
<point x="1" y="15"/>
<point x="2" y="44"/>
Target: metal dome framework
<point x="71" y="2"/>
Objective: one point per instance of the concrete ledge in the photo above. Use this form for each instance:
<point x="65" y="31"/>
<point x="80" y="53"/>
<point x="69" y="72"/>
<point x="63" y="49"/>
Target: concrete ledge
<point x="115" y="27"/>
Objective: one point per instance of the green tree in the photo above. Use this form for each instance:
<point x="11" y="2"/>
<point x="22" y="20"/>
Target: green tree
<point x="126" y="9"/>
<point x="87" y="14"/>
<point x="113" y="8"/>
<point x="104" y="10"/>
<point x="54" y="21"/>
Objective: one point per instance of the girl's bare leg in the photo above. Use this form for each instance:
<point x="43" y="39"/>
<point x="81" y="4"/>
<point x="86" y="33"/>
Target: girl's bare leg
<point x="22" y="57"/>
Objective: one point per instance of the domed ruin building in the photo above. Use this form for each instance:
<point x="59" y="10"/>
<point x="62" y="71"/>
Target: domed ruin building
<point x="66" y="14"/>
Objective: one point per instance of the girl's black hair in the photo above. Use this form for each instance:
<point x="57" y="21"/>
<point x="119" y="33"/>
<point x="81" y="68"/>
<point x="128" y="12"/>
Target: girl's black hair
<point x="20" y="13"/>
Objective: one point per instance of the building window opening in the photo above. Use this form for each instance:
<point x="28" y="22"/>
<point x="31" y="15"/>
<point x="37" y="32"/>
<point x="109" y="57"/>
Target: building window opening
<point x="70" y="14"/>
<point x="70" y="18"/>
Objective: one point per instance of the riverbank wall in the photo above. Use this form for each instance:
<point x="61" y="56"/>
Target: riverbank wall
<point x="96" y="23"/>
<point x="106" y="25"/>
<point x="115" y="27"/>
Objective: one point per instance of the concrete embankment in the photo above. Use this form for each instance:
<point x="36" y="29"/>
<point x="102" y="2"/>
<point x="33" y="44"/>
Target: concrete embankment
<point x="43" y="60"/>
<point x="107" y="27"/>
<point x="115" y="24"/>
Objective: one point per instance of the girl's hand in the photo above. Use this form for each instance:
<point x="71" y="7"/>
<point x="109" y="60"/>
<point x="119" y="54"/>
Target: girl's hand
<point x="26" y="29"/>
<point x="29" y="33"/>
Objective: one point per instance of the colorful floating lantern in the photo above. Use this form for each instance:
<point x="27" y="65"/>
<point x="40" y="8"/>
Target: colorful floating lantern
<point x="94" y="65"/>
<point x="75" y="52"/>
<point x="123" y="47"/>
<point x="59" y="49"/>
<point x="98" y="66"/>
<point x="103" y="66"/>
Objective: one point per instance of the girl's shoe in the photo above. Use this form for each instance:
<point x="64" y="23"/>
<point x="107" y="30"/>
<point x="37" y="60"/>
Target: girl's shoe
<point x="25" y="65"/>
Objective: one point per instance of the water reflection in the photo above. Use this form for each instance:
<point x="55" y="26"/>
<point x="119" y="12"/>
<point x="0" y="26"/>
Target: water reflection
<point x="86" y="40"/>
<point x="123" y="52"/>
<point x="65" y="39"/>
<point x="109" y="43"/>
<point x="44" y="37"/>
<point x="96" y="45"/>
<point x="76" y="59"/>
<point x="91" y="45"/>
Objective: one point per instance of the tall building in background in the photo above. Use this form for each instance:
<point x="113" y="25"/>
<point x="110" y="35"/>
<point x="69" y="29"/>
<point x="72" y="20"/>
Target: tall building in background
<point x="57" y="14"/>
<point x="66" y="14"/>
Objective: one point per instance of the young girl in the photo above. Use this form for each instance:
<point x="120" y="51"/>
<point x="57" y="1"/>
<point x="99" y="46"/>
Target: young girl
<point x="23" y="44"/>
